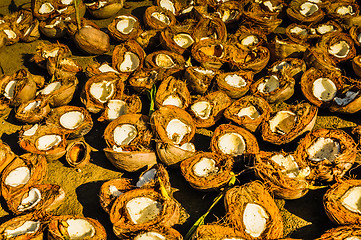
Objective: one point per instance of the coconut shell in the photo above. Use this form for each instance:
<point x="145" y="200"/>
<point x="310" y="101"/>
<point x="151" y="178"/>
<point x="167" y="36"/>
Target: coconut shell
<point x="284" y="48"/>
<point x="236" y="200"/>
<point x="177" y="6"/>
<point x="11" y="33"/>
<point x="78" y="154"/>
<point x="157" y="181"/>
<point x="235" y="91"/>
<point x="319" y="59"/>
<point x="354" y="33"/>
<point x="356" y="65"/>
<point x="230" y="12"/>
<point x="325" y="170"/>
<point x="254" y="60"/>
<point x="120" y="36"/>
<point x="172" y="87"/>
<point x="306" y="115"/>
<point x="33" y="115"/>
<point x="6" y="155"/>
<point x="210" y="53"/>
<point x="293" y="12"/>
<point x="119" y="53"/>
<point x="167" y="233"/>
<point x="216" y="232"/>
<point x="144" y="79"/>
<point x="341" y="232"/>
<point x="301" y="38"/>
<point x="208" y="27"/>
<point x="295" y="67"/>
<point x="333" y="7"/>
<point x="336" y="28"/>
<point x="172" y="155"/>
<point x="168" y="42"/>
<point x="110" y="9"/>
<point x="153" y="23"/>
<point x="198" y="81"/>
<point x="53" y="27"/>
<point x="44" y="51"/>
<point x="58" y="228"/>
<point x="250" y="124"/>
<point x="244" y="32"/>
<point x="63" y="68"/>
<point x="149" y="39"/>
<point x="178" y="60"/>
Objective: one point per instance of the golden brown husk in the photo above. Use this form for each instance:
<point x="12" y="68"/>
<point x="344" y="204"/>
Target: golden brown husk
<point x="196" y="81"/>
<point x="171" y="155"/>
<point x="172" y="87"/>
<point x="296" y="69"/>
<point x="150" y="59"/>
<point x="78" y="154"/>
<point x="57" y="31"/>
<point x="116" y="34"/>
<point x="232" y="91"/>
<point x="341" y="232"/>
<point x="64" y="94"/>
<point x="107" y="11"/>
<point x="33" y="115"/>
<point x="256" y="59"/>
<point x="207" y="27"/>
<point x="294" y="14"/>
<point x="6" y="155"/>
<point x="144" y="79"/>
<point x="319" y="59"/>
<point x="284" y="48"/>
<point x="299" y="38"/>
<point x="40" y="59"/>
<point x="356" y="65"/>
<point x="212" y="57"/>
<point x="167" y="232"/>
<point x="63" y="68"/>
<point x="266" y="22"/>
<point x="243" y="32"/>
<point x="154" y="23"/>
<point x="216" y="232"/>
<point x="167" y="39"/>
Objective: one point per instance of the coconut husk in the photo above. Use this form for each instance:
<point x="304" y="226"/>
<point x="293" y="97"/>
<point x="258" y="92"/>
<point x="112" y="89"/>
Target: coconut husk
<point x="213" y="181"/>
<point x="35" y="6"/>
<point x="156" y="178"/>
<point x="319" y="59"/>
<point x="119" y="53"/>
<point x="276" y="179"/>
<point x="81" y="128"/>
<point x="26" y="24"/>
<point x="306" y="115"/>
<point x="168" y="39"/>
<point x="236" y="200"/>
<point x="351" y="21"/>
<point x="230" y="12"/>
<point x="255" y="60"/>
<point x="149" y="40"/>
<point x="166" y="232"/>
<point x="177" y="59"/>
<point x="12" y="34"/>
<point x="335" y="209"/>
<point x="121" y="36"/>
<point x="44" y="51"/>
<point x="92" y="104"/>
<point x="176" y="8"/>
<point x="310" y="76"/>
<point x="58" y="228"/>
<point x="33" y="115"/>
<point x="6" y="155"/>
<point x="293" y="13"/>
<point x="102" y="12"/>
<point x="122" y="222"/>
<point x="284" y="48"/>
<point x="63" y="68"/>
<point x="250" y="124"/>
<point x="96" y="68"/>
<point x="235" y="91"/>
<point x="53" y="27"/>
<point x="213" y="28"/>
<point x="357" y="132"/>
<point x="356" y="65"/>
<point x="51" y="197"/>
<point x="35" y="163"/>
<point x="294" y="67"/>
<point x="326" y="170"/>
<point x="244" y="32"/>
<point x="172" y="155"/>
<point x="218" y="101"/>
<point x="332" y="8"/>
<point x="355" y="31"/>
<point x="153" y="23"/>
<point x="210" y="53"/>
<point x="251" y="148"/>
<point x="199" y="79"/>
<point x="172" y="87"/>
<point x="143" y="80"/>
<point x="78" y="154"/>
<point x="341" y="232"/>
<point x="215" y="231"/>
<point x="28" y="142"/>
<point x="31" y="33"/>
<point x="316" y="31"/>
<point x="161" y="117"/>
<point x="301" y="38"/>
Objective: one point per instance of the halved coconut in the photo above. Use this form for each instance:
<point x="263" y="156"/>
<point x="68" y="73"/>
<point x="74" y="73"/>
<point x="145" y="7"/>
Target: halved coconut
<point x="124" y="27"/>
<point x="218" y="231"/>
<point x="112" y="189"/>
<point x="33" y="111"/>
<point x="173" y="92"/>
<point x="172" y="155"/>
<point x="164" y="59"/>
<point x="342" y="10"/>
<point x="157" y="233"/>
<point x="176" y="40"/>
<point x="329" y="153"/>
<point x="116" y="107"/>
<point x="252" y="210"/>
<point x="78" y="154"/>
<point x="295" y="67"/>
<point x="63" y="68"/>
<point x="209" y="53"/>
<point x="248" y="37"/>
<point x="199" y="79"/>
<point x="44" y="51"/>
<point x="128" y="57"/>
<point x="53" y="27"/>
<point x="105" y="9"/>
<point x="235" y="84"/>
<point x="144" y="79"/>
<point x="305" y="11"/>
<point x="299" y="33"/>
<point x="24" y="226"/>
<point x="210" y="28"/>
<point x="158" y="18"/>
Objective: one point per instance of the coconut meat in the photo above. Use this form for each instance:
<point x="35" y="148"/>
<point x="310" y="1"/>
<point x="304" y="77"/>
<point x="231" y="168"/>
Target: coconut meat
<point x="323" y="148"/>
<point x="188" y="147"/>
<point x="31" y="106"/>
<point x="126" y="24"/>
<point x="283" y="122"/>
<point x="46" y="8"/>
<point x="10" y="33"/>
<point x="269" y="84"/>
<point x="250" y="40"/>
<point x="51" y="88"/>
<point x="102" y="91"/>
<point x="167" y="4"/>
<point x="114" y="191"/>
<point x="71" y="119"/>
<point x="124" y="134"/>
<point x="164" y="60"/>
<point x="287" y="163"/>
<point x="308" y="8"/>
<point x="130" y="63"/>
<point x="116" y="108"/>
<point x="235" y="80"/>
<point x="229" y="15"/>
<point x="353" y="238"/>
<point x="173" y="100"/>
<point x="232" y="143"/>
<point x="345" y="10"/>
<point x="255" y="219"/>
<point x="106" y="68"/>
<point x="282" y="65"/>
<point x="184" y="40"/>
<point x="150" y="236"/>
<point x="176" y="130"/>
<point x="161" y="17"/>
<point x="146" y="177"/>
<point x="299" y="31"/>
<point x="31" y="131"/>
<point x="18" y="176"/>
<point x="202" y="109"/>
<point x="28" y="227"/>
<point x="204" y="71"/>
<point x="143" y="209"/>
<point x="325" y="28"/>
<point x="349" y="97"/>
<point x="351" y="200"/>
<point x="249" y="111"/>
<point x="9" y="89"/>
<point x="324" y="89"/>
<point x="205" y="167"/>
<point x="80" y="229"/>
<point x="33" y="198"/>
<point x="47" y="142"/>
<point x="271" y="7"/>
<point x="67" y="2"/>
<point x="339" y="49"/>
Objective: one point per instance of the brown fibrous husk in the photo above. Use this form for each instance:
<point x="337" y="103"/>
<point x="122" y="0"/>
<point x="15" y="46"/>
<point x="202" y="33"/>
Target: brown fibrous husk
<point x="232" y="91"/>
<point x="341" y="232"/>
<point x="215" y="231"/>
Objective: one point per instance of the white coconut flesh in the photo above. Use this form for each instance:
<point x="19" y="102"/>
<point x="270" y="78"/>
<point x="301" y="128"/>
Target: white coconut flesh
<point x="116" y="108"/>
<point x="202" y="109"/>
<point x="340" y="49"/>
<point x="33" y="198"/>
<point x="176" y="130"/>
<point x="102" y="4"/>
<point x="102" y="91"/>
<point x="324" y="28"/>
<point x="130" y="63"/>
<point x="282" y="65"/>
<point x="205" y="167"/>
<point x="351" y="200"/>
<point x="31" y="131"/>
<point x="249" y="111"/>
<point x="143" y="209"/>
<point x="9" y="89"/>
<point x="299" y="31"/>
<point x="167" y="4"/>
<point x="287" y="163"/>
<point x="348" y="98"/>
<point x="126" y="24"/>
<point x="173" y="100"/>
<point x="106" y="68"/>
<point x="324" y="89"/>
<point x="308" y="8"/>
<point x="150" y="236"/>
<point x="255" y="219"/>
<point x="114" y="191"/>
<point x="353" y="238"/>
<point x="51" y="53"/>
<point x="71" y="119"/>
<point x="188" y="147"/>
<point x="283" y="122"/>
<point x="250" y="40"/>
<point x="20" y="18"/>
<point x="47" y="142"/>
<point x="161" y="17"/>
<point x="146" y="177"/>
<point x="204" y="71"/>
<point x="31" y="106"/>
<point x="345" y="10"/>
<point x="269" y="84"/>
<point x="232" y="144"/>
<point x="235" y="80"/>
<point x="18" y="176"/>
<point x="28" y="227"/>
<point x="51" y="88"/>
<point x="124" y="134"/>
<point x="324" y="148"/>
<point x="29" y="29"/>
<point x="10" y="33"/>
<point x="80" y="229"/>
<point x="229" y="15"/>
<point x="183" y="40"/>
<point x="67" y="2"/>
<point x="46" y="8"/>
<point x="164" y="60"/>
<point x="271" y="7"/>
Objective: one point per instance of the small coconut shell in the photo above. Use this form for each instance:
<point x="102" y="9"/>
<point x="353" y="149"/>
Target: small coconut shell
<point x="172" y="88"/>
<point x="230" y="12"/>
<point x="341" y="232"/>
<point x="119" y="56"/>
<point x="63" y="68"/>
<point x="53" y="27"/>
<point x="121" y="35"/>
<point x="28" y="114"/>
<point x="208" y="27"/>
<point x="329" y="170"/>
<point x="256" y="59"/>
<point x="173" y="60"/>
<point x="332" y="10"/>
<point x="169" y="40"/>
<point x="244" y="33"/>
<point x="284" y="48"/>
<point x="78" y="154"/>
<point x="319" y="59"/>
<point x="293" y="12"/>
<point x="155" y="23"/>
<point x="44" y="51"/>
<point x="210" y="53"/>
<point x="144" y="79"/>
<point x="199" y="79"/>
<point x="236" y="200"/>
<point x="172" y="155"/>
<point x="318" y="30"/>
<point x="299" y="33"/>
<point x="295" y="67"/>
<point x="235" y="91"/>
<point x="216" y="231"/>
<point x="108" y="10"/>
<point x="343" y="102"/>
<point x="156" y="178"/>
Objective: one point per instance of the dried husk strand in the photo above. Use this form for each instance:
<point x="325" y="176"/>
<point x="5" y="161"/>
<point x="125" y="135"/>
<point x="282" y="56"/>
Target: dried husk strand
<point x="235" y="84"/>
<point x="33" y="111"/>
<point x="341" y="232"/>
<point x="216" y="231"/>
<point x="125" y="27"/>
<point x="332" y="166"/>
<point x="237" y="199"/>
<point x="341" y="202"/>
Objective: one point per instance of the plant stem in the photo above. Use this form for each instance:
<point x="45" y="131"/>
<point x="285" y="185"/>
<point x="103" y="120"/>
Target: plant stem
<point x="77" y="13"/>
<point x="151" y="96"/>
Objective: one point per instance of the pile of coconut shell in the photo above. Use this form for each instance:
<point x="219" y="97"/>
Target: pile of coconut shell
<point x="253" y="73"/>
